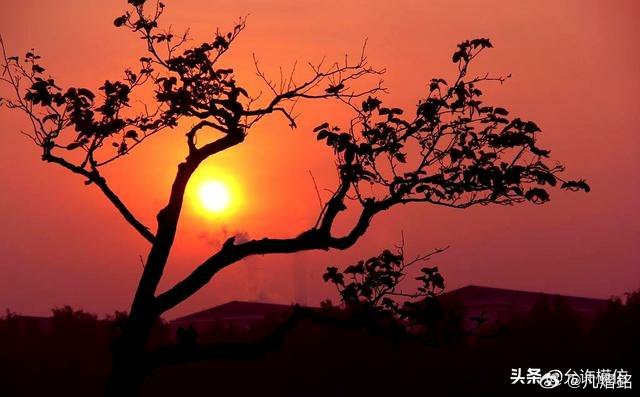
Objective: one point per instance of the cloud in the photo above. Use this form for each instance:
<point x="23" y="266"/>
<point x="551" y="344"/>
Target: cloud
<point x="216" y="239"/>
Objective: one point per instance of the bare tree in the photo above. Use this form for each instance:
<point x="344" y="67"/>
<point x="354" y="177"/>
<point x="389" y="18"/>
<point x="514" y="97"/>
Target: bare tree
<point x="453" y="150"/>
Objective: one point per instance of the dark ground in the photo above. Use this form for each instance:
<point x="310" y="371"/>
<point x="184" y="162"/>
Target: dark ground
<point x="72" y="358"/>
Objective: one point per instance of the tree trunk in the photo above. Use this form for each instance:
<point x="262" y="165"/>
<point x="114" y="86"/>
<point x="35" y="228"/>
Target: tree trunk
<point x="128" y="369"/>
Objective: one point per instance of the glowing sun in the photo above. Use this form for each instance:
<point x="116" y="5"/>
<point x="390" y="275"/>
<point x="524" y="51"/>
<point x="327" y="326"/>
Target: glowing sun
<point x="214" y="196"/>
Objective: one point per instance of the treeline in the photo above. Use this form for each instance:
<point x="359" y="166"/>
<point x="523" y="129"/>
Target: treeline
<point x="70" y="354"/>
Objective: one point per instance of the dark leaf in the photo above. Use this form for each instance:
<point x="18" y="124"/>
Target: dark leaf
<point x="334" y="89"/>
<point x="437" y="280"/>
<point x="74" y="145"/>
<point x="121" y="20"/>
<point x="401" y="157"/>
<point x="87" y="93"/>
<point x="333" y="276"/>
<point x="355" y="269"/>
<point x="501" y="111"/>
<point x="537" y="195"/>
<point x="576" y="185"/>
<point x="323" y="134"/>
<point x="321" y="127"/>
<point x="531" y="127"/>
<point x="539" y="152"/>
<point x="370" y="104"/>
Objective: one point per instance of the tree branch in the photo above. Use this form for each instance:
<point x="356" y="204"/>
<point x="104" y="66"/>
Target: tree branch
<point x="230" y="253"/>
<point x="98" y="180"/>
<point x="174" y="355"/>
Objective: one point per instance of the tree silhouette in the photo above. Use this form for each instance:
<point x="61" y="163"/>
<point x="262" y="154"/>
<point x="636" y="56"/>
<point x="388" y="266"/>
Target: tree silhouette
<point x="453" y="150"/>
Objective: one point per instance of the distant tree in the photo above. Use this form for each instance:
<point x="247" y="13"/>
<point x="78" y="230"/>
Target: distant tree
<point x="616" y="331"/>
<point x="451" y="150"/>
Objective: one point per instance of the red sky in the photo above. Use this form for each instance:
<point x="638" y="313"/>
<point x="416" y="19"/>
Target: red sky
<point x="575" y="72"/>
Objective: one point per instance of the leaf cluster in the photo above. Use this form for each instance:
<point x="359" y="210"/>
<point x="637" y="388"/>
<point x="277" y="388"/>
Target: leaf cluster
<point x="454" y="150"/>
<point x="376" y="284"/>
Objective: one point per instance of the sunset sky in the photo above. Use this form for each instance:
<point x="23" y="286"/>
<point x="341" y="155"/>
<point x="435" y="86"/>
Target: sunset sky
<point x="575" y="68"/>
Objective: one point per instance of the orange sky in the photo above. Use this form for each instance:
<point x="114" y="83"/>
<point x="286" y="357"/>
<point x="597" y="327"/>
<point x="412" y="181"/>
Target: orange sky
<point x="575" y="72"/>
